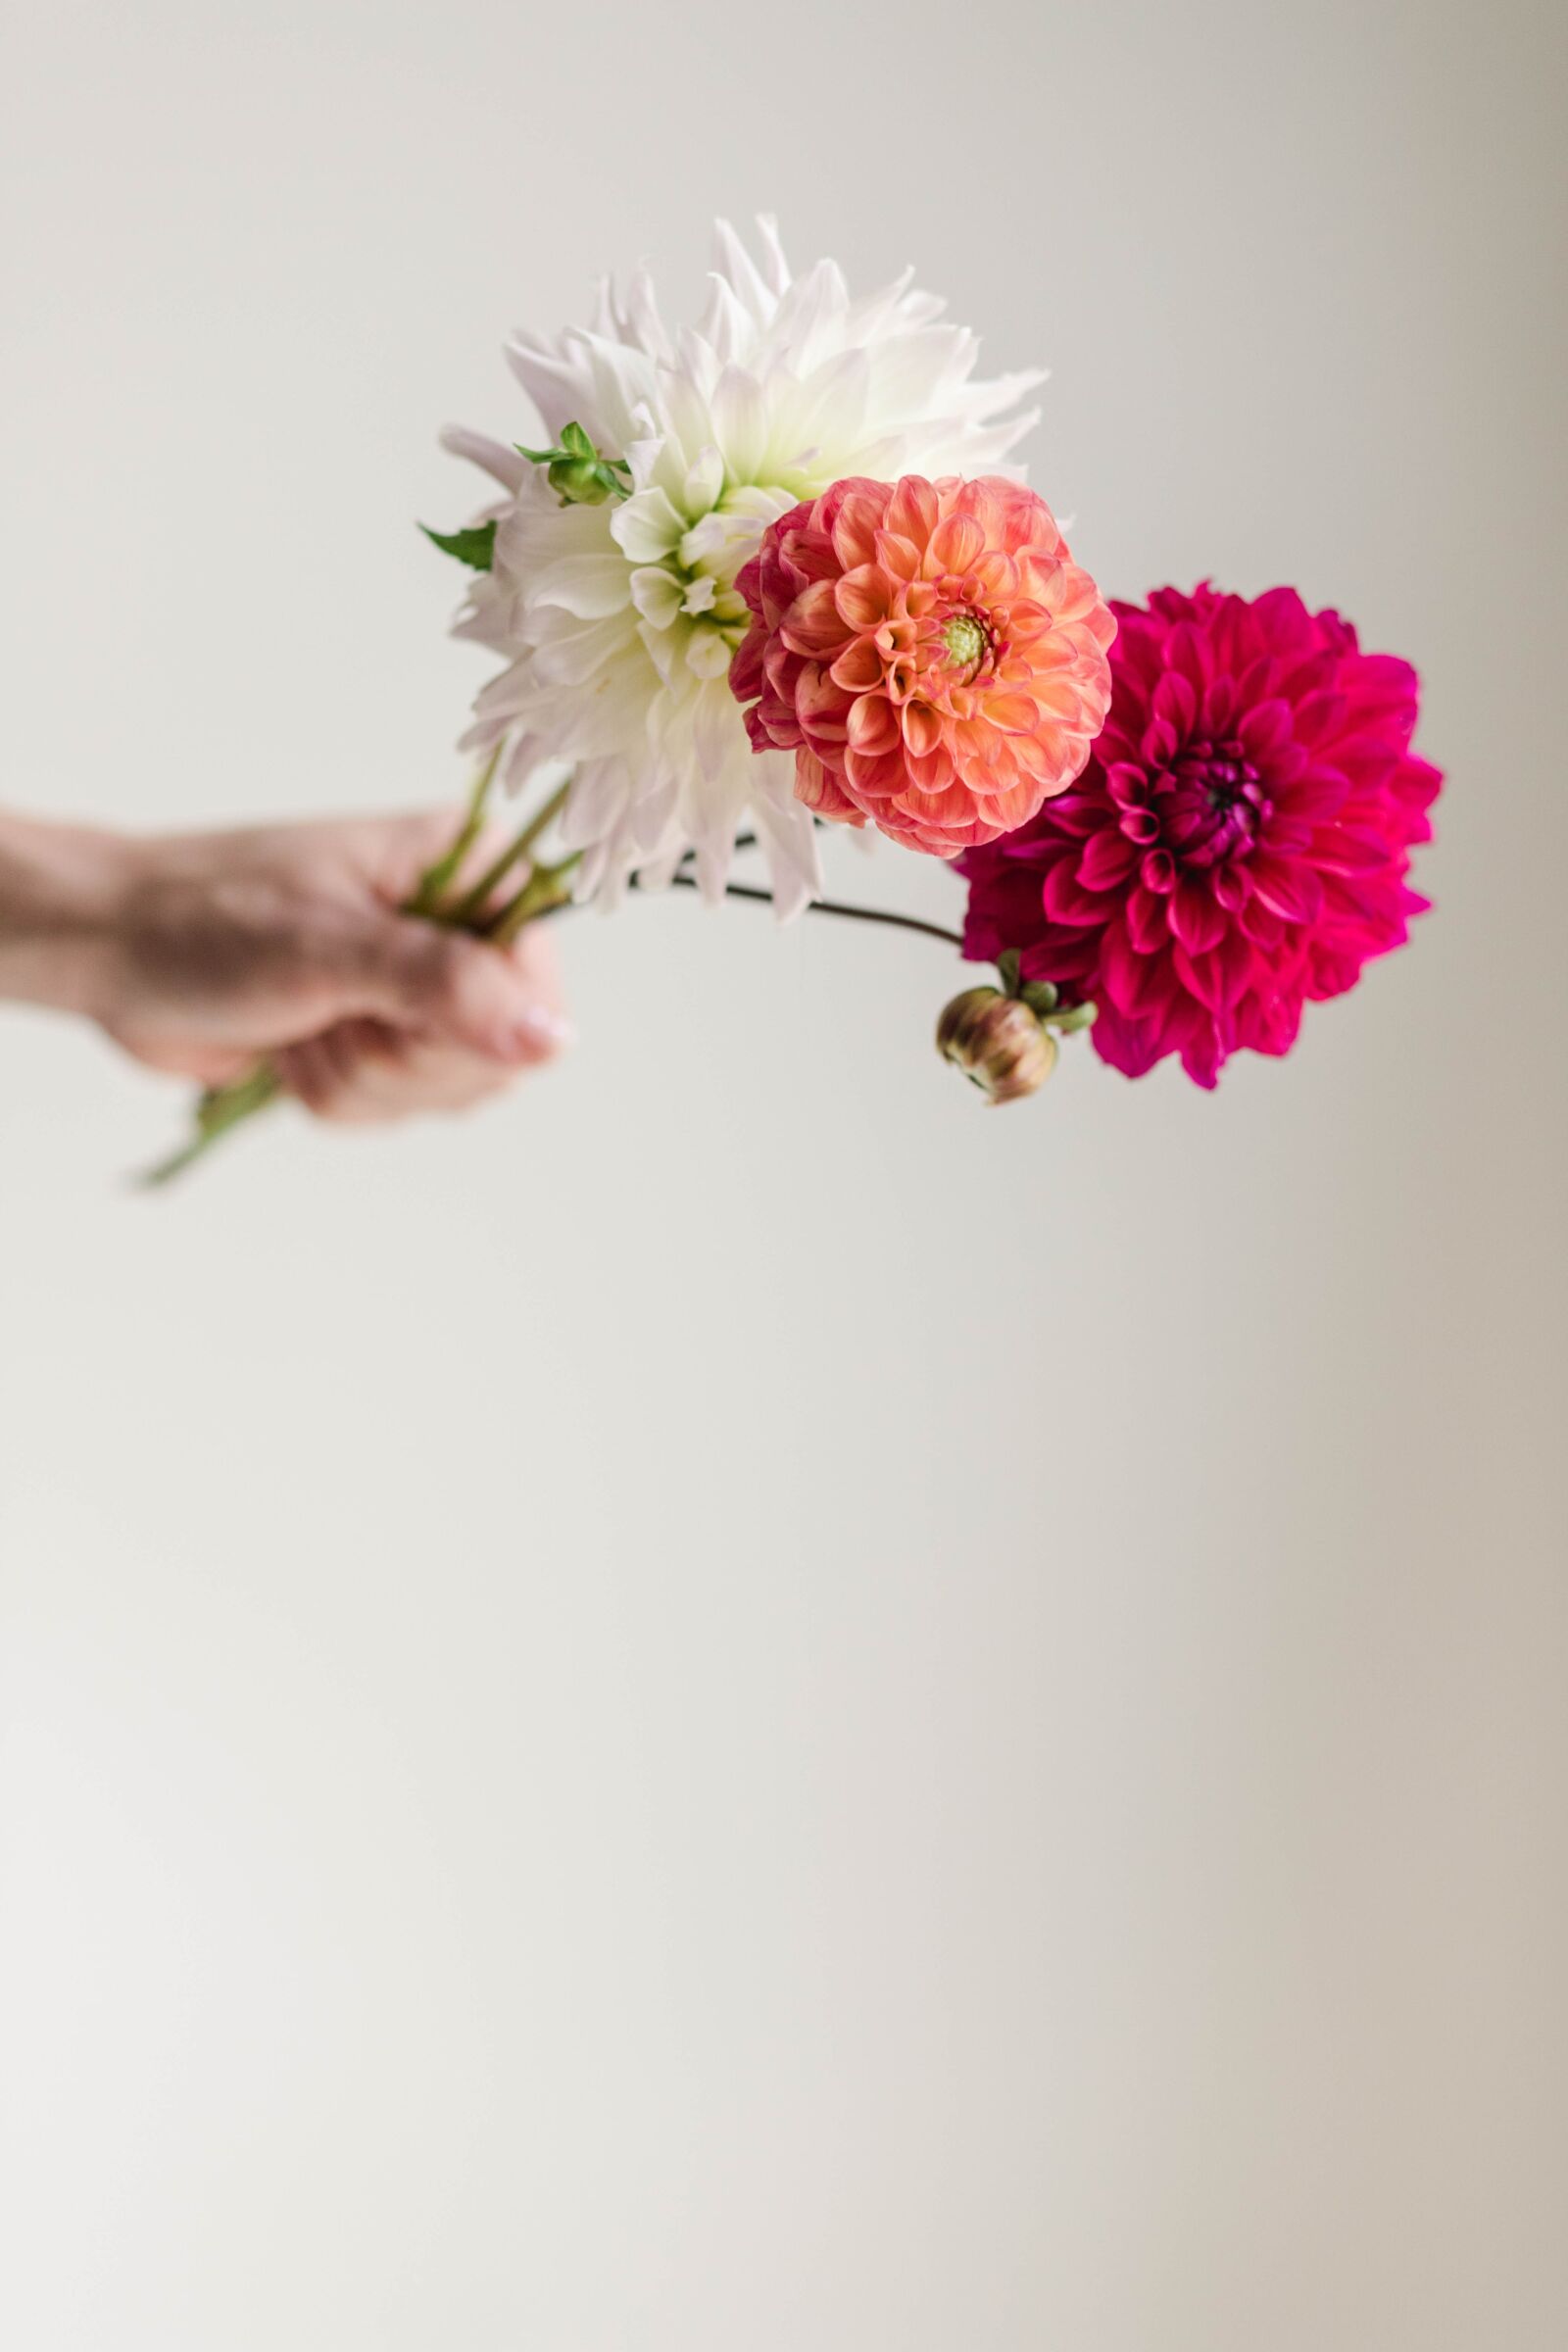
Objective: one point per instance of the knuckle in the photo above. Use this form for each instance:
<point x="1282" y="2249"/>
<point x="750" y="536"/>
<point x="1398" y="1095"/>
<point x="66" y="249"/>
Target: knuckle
<point x="441" y="975"/>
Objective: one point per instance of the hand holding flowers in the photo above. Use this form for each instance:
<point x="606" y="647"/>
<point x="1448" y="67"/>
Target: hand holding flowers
<point x="200" y="952"/>
<point x="770" y="572"/>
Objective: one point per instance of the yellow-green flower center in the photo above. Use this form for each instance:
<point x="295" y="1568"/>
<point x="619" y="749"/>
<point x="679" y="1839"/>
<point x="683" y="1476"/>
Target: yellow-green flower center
<point x="965" y="640"/>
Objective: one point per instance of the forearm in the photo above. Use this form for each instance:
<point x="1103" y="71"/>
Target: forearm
<point x="60" y="890"/>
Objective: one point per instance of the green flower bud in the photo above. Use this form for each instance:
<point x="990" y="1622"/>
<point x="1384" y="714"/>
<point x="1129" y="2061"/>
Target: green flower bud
<point x="997" y="1042"/>
<point x="578" y="481"/>
<point x="577" y="472"/>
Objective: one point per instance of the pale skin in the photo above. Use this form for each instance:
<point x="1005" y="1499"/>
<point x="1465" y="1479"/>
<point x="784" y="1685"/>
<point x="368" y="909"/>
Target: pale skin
<point x="200" y="954"/>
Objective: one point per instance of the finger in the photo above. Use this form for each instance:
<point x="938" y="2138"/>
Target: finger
<point x="533" y="954"/>
<point x="361" y="1081"/>
<point x="329" y="1074"/>
<point x="363" y="1073"/>
<point x="424" y="1076"/>
<point x="308" y="1073"/>
<point x="497" y="1003"/>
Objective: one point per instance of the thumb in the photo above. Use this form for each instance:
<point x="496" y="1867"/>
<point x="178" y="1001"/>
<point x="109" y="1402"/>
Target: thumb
<point x="503" y="1003"/>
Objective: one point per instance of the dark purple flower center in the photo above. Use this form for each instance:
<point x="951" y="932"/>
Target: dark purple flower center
<point x="1209" y="803"/>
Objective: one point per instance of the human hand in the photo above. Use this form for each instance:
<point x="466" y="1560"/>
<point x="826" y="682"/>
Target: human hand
<point x="201" y="953"/>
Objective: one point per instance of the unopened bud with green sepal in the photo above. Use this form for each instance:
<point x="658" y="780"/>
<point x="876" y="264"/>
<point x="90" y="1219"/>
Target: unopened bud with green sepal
<point x="1002" y="1038"/>
<point x="576" y="471"/>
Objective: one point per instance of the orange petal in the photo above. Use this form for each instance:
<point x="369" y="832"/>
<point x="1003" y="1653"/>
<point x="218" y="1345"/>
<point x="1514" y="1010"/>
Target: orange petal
<point x="822" y="790"/>
<point x="913" y="510"/>
<point x="855" y="531"/>
<point x="923" y="728"/>
<point x="859" y="667"/>
<point x="864" y="597"/>
<point x="811" y="625"/>
<point x="1013" y="713"/>
<point x="821" y="704"/>
<point x="873" y="725"/>
<point x="954" y="545"/>
<point x="933" y="773"/>
<point x="873" y="775"/>
<point x="898" y="555"/>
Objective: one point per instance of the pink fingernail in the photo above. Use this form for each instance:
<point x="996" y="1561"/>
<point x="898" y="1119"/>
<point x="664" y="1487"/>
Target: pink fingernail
<point x="542" y="1029"/>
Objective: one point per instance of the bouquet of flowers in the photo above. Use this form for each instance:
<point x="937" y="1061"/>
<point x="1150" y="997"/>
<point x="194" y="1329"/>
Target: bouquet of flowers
<point x="777" y="571"/>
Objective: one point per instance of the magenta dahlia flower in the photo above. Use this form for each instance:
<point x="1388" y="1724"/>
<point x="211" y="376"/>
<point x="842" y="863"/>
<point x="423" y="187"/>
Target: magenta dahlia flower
<point x="1237" y="846"/>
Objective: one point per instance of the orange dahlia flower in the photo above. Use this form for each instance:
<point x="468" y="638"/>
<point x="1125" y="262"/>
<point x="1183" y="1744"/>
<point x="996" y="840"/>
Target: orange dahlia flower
<point x="929" y="651"/>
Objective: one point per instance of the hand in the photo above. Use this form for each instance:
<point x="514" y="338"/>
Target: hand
<point x="201" y="953"/>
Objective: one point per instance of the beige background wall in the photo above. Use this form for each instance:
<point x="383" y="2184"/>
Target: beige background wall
<point x="611" y="1741"/>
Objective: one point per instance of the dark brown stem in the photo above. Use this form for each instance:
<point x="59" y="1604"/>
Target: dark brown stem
<point x="838" y="906"/>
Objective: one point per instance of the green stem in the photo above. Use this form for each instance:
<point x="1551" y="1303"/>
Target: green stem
<point x="547" y="888"/>
<point x="467" y="915"/>
<point x="437" y="879"/>
<point x="218" y="1110"/>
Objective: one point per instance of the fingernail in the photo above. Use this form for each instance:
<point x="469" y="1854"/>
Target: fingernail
<point x="540" y="1031"/>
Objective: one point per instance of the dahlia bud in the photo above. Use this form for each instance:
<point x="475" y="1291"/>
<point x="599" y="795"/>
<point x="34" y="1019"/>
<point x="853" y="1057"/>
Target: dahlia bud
<point x="997" y="1042"/>
<point x="577" y="472"/>
<point x="578" y="482"/>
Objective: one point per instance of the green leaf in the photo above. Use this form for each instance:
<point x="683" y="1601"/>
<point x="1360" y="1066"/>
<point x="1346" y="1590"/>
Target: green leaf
<point x="575" y="442"/>
<point x="1008" y="965"/>
<point x="1040" y="996"/>
<point x="475" y="548"/>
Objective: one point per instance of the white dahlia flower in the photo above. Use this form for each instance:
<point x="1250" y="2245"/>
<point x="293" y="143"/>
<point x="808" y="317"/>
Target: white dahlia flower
<point x="618" y="620"/>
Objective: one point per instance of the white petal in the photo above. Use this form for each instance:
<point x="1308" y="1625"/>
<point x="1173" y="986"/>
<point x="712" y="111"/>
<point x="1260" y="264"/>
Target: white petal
<point x="740" y="414"/>
<point x="662" y="870"/>
<point x="775" y="269"/>
<point x="704" y="482"/>
<point x="503" y="465"/>
<point x="718" y="731"/>
<point x="646" y="526"/>
<point x="657" y="595"/>
<point x="805" y="318"/>
<point x="910" y="369"/>
<point x="644" y="324"/>
<point x="737" y="266"/>
<point x="721" y="541"/>
<point x="572" y="661"/>
<point x="726" y="325"/>
<point x="600" y="790"/>
<point x="791" y="842"/>
<point x="591" y="586"/>
<point x="553" y="383"/>
<point x="644" y="458"/>
<point x="652" y="811"/>
<point x="708" y="656"/>
<point x="666" y="644"/>
<point x="711" y="807"/>
<point x="522" y="765"/>
<point x="623" y="382"/>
